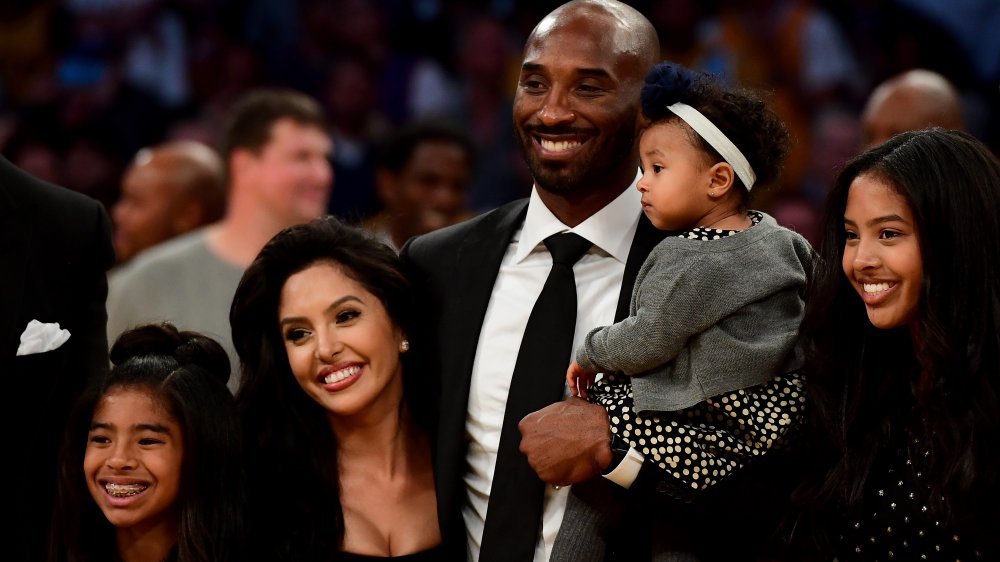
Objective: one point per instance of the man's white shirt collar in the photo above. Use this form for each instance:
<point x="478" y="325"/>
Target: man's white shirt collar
<point x="611" y="229"/>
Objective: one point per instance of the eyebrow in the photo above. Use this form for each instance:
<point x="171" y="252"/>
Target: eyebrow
<point x="333" y="305"/>
<point x="595" y="72"/>
<point x="158" y="428"/>
<point x="879" y="220"/>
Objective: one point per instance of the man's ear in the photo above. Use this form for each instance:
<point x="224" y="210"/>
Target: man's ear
<point x="720" y="179"/>
<point x="240" y="160"/>
<point x="188" y="215"/>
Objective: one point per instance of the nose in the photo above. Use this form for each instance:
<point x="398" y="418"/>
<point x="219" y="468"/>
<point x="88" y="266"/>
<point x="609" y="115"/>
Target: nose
<point x="323" y="172"/>
<point x="446" y="198"/>
<point x="866" y="256"/>
<point x="556" y="109"/>
<point x="121" y="457"/>
<point x="641" y="185"/>
<point x="328" y="346"/>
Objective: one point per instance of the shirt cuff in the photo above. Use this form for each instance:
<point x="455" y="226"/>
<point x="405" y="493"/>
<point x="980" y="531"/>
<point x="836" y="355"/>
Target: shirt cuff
<point x="626" y="472"/>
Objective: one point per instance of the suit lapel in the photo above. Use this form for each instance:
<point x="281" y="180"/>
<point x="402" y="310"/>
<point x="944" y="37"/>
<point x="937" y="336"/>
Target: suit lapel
<point x="476" y="266"/>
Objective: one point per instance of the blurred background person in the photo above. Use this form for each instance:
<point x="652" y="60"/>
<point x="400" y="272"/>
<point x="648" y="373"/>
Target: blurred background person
<point x="356" y="126"/>
<point x="422" y="181"/>
<point x="277" y="154"/>
<point x="487" y="62"/>
<point x="914" y="100"/>
<point x="93" y="82"/>
<point x="168" y="190"/>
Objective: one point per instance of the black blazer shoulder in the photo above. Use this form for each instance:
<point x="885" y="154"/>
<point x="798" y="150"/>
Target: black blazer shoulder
<point x="55" y="250"/>
<point x="493" y="228"/>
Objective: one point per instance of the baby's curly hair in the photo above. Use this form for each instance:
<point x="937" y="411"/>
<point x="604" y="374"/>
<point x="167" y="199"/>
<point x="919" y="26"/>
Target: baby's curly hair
<point x="740" y="114"/>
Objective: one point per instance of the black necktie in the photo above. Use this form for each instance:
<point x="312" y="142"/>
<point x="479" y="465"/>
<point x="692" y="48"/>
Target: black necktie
<point x="514" y="515"/>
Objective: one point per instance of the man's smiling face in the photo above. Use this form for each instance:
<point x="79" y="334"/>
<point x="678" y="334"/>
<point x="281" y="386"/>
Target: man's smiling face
<point x="577" y="103"/>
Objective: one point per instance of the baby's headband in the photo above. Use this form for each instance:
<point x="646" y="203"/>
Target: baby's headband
<point x="717" y="139"/>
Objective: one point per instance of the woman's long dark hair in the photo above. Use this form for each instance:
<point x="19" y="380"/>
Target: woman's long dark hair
<point x="865" y="385"/>
<point x="292" y="451"/>
<point x="186" y="372"/>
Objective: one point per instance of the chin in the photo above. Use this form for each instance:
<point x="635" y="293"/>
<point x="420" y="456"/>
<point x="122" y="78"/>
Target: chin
<point x="886" y="322"/>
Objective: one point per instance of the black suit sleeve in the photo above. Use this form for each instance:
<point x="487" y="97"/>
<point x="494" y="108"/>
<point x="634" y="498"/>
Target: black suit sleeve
<point x="92" y="345"/>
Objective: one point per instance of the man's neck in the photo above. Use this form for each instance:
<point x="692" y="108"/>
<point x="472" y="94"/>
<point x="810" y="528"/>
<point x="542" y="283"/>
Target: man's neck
<point x="237" y="238"/>
<point x="575" y="208"/>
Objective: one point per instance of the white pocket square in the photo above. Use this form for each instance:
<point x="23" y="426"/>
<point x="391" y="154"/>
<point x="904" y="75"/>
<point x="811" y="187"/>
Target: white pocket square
<point x="40" y="337"/>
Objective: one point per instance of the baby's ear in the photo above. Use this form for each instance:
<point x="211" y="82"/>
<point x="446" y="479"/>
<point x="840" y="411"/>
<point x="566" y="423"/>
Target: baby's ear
<point x="721" y="177"/>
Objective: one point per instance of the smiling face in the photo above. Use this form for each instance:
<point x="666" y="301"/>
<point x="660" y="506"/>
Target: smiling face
<point x="577" y="102"/>
<point x="675" y="177"/>
<point x="292" y="172"/>
<point x="882" y="253"/>
<point x="133" y="462"/>
<point x="342" y="346"/>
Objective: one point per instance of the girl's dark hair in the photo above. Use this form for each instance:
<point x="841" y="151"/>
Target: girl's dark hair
<point x="186" y="372"/>
<point x="866" y="385"/>
<point x="739" y="113"/>
<point x="288" y="437"/>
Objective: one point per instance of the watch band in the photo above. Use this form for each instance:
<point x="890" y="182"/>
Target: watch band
<point x="619" y="450"/>
<point x="626" y="463"/>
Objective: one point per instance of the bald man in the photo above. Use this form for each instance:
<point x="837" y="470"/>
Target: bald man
<point x="914" y="100"/>
<point x="168" y="190"/>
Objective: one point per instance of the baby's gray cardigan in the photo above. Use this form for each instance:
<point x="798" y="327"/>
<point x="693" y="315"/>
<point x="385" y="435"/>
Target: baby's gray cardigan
<point x="708" y="317"/>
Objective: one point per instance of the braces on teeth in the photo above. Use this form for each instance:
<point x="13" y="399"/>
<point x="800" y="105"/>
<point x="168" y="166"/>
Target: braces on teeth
<point x="124" y="490"/>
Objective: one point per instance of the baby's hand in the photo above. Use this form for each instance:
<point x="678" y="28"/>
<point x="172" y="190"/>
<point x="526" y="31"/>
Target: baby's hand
<point x="579" y="380"/>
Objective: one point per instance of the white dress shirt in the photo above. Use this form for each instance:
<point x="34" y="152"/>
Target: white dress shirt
<point x="522" y="274"/>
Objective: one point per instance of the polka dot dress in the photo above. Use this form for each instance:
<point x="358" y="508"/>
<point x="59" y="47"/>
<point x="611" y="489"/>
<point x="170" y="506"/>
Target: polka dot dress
<point x="701" y="445"/>
<point x="895" y="521"/>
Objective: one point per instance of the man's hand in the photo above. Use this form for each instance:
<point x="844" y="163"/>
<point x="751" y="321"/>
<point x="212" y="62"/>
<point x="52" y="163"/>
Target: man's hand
<point x="567" y="442"/>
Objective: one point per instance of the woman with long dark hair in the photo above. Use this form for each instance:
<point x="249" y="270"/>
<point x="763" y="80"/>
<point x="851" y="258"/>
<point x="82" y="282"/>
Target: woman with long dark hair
<point x="331" y="400"/>
<point x="904" y="356"/>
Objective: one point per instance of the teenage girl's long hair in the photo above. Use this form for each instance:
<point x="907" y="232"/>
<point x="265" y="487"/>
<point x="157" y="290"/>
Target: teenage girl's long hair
<point x="186" y="373"/>
<point x="867" y="386"/>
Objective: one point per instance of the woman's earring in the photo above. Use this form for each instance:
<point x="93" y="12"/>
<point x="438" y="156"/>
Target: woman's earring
<point x="404" y="346"/>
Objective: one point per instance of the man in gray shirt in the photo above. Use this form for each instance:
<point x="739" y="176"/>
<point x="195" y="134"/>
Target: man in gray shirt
<point x="276" y="151"/>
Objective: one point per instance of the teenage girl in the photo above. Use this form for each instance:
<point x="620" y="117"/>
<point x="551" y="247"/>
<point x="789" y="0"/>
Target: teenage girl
<point x="150" y="470"/>
<point x="903" y="339"/>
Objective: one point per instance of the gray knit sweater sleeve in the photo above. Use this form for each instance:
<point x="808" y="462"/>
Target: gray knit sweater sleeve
<point x="656" y="328"/>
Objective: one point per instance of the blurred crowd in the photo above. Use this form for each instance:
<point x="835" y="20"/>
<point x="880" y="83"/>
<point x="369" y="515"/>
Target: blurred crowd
<point x="87" y="85"/>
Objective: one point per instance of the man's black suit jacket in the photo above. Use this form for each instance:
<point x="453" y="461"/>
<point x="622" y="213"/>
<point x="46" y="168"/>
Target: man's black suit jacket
<point x="454" y="270"/>
<point x="55" y="250"/>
